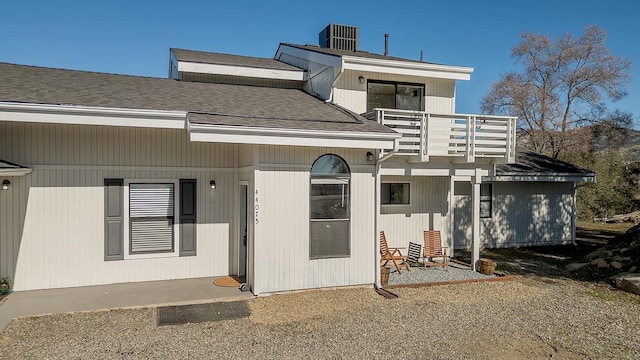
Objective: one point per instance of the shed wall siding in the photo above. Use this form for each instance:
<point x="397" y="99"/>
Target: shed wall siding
<point x="524" y="214"/>
<point x="428" y="210"/>
<point x="52" y="220"/>
<point x="351" y="94"/>
<point x="282" y="223"/>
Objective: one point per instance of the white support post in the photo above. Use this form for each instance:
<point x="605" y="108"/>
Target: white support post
<point x="452" y="209"/>
<point x="376" y="241"/>
<point x="475" y="253"/>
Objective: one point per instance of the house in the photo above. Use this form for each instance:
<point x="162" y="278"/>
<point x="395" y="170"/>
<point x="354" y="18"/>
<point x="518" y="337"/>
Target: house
<point x="282" y="170"/>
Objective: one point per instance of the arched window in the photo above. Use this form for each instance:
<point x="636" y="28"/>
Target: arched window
<point x="330" y="208"/>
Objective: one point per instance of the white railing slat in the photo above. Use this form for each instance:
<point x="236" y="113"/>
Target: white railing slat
<point x="451" y="135"/>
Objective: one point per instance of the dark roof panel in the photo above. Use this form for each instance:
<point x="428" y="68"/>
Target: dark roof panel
<point x="229" y="104"/>
<point x="529" y="163"/>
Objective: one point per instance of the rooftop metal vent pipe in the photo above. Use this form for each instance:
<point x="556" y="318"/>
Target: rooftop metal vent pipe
<point x="386" y="44"/>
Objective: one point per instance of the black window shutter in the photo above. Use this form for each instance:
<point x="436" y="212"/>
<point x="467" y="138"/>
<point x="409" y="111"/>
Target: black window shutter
<point x="114" y="219"/>
<point x="188" y="217"/>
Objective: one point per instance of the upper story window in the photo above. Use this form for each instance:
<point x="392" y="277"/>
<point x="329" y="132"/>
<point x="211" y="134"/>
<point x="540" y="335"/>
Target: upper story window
<point x="392" y="95"/>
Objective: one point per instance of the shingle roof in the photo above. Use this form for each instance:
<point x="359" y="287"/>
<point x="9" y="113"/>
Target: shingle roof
<point x="529" y="163"/>
<point x="229" y="59"/>
<point x="219" y="104"/>
<point x="360" y="53"/>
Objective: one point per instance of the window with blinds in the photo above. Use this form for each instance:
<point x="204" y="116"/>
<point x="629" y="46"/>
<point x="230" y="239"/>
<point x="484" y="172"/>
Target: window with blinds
<point x="151" y="218"/>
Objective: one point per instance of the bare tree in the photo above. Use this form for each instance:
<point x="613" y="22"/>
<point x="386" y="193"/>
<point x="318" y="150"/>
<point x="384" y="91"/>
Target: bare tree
<point x="563" y="86"/>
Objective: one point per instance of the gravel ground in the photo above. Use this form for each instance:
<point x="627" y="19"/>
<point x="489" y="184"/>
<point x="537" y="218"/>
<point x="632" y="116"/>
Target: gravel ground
<point x="420" y="274"/>
<point x="530" y="317"/>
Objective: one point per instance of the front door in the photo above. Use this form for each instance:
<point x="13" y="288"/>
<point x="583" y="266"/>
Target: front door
<point x="242" y="238"/>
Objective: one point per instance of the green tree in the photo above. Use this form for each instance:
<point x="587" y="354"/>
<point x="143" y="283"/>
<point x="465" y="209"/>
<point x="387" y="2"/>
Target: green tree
<point x="614" y="190"/>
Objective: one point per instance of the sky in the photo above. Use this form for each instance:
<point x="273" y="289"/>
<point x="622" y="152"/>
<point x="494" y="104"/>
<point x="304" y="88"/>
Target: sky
<point x="134" y="36"/>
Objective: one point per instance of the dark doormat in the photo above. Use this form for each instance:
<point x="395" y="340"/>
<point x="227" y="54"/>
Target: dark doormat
<point x="197" y="313"/>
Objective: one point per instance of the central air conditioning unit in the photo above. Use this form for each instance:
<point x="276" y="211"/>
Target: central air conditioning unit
<point x="342" y="37"/>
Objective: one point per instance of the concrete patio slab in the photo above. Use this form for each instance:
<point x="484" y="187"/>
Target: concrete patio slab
<point x="128" y="295"/>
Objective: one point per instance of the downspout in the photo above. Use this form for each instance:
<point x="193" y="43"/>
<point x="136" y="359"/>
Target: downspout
<point x="376" y="263"/>
<point x="396" y="148"/>
<point x="333" y="84"/>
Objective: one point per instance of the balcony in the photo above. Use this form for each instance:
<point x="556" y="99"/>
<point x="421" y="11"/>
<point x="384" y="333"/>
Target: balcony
<point x="462" y="137"/>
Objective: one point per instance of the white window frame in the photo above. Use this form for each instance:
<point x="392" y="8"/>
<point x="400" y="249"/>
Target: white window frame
<point x="490" y="201"/>
<point x="397" y="182"/>
<point x="176" y="217"/>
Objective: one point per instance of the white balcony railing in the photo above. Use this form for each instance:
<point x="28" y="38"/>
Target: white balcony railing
<point x="452" y="135"/>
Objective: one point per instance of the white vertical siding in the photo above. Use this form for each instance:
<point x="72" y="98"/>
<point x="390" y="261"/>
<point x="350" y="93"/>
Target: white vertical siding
<point x="351" y="94"/>
<point x="428" y="210"/>
<point x="282" y="229"/>
<point x="52" y="221"/>
<point x="53" y="144"/>
<point x="523" y="214"/>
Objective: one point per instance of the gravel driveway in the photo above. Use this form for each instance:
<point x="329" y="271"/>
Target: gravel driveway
<point x="530" y="317"/>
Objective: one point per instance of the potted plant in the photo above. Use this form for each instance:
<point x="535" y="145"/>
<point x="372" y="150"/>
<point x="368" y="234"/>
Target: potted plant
<point x="5" y="285"/>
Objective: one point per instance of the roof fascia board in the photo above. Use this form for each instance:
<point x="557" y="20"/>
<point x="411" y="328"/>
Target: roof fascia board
<point x="243" y="71"/>
<point x="541" y="178"/>
<point x="81" y="115"/>
<point x="407" y="68"/>
<point x="15" y="172"/>
<point x="290" y="137"/>
<point x="313" y="56"/>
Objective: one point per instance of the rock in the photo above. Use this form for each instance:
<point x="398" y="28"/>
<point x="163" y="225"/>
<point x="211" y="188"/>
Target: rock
<point x="616" y="265"/>
<point x="633" y="269"/>
<point x="575" y="266"/>
<point x="622" y="259"/>
<point x="596" y="254"/>
<point x="600" y="263"/>
<point x="629" y="282"/>
<point x="633" y="217"/>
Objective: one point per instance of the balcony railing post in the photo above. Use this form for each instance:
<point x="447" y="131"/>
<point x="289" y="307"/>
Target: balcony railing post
<point x="507" y="153"/>
<point x="471" y="139"/>
<point x="511" y="140"/>
<point x="424" y="136"/>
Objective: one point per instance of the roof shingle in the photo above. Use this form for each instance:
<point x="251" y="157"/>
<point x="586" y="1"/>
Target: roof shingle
<point x="219" y="104"/>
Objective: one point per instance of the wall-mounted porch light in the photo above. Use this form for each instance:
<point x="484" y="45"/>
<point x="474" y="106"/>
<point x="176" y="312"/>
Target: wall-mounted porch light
<point x="369" y="156"/>
<point x="212" y="184"/>
<point x="361" y="79"/>
<point x="6" y="184"/>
